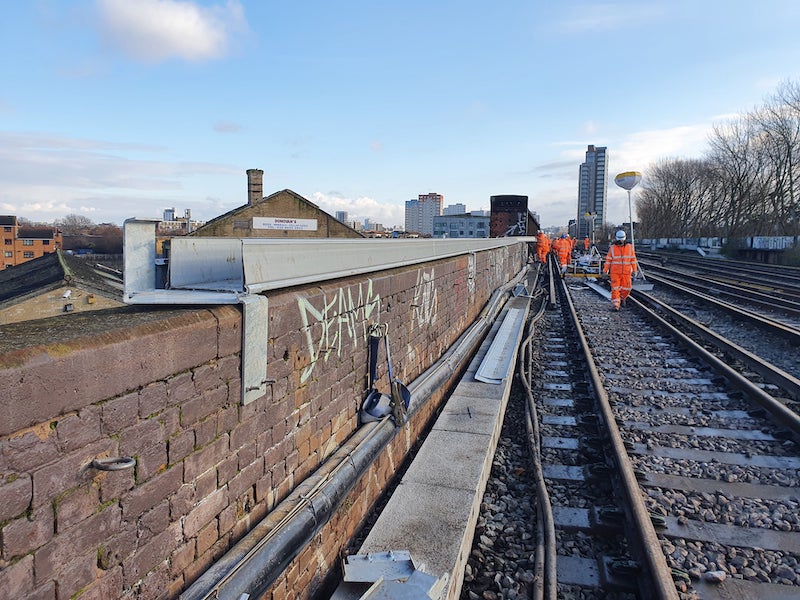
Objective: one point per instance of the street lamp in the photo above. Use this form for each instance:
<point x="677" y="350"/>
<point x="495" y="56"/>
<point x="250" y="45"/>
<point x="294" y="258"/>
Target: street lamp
<point x="628" y="181"/>
<point x="590" y="218"/>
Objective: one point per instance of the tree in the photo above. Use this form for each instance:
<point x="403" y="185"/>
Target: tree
<point x="74" y="224"/>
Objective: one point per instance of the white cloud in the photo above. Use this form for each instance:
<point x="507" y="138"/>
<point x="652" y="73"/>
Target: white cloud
<point x="638" y="150"/>
<point x="360" y="208"/>
<point x="557" y="201"/>
<point x="608" y="16"/>
<point x="227" y="127"/>
<point x="157" y="30"/>
<point x="46" y="177"/>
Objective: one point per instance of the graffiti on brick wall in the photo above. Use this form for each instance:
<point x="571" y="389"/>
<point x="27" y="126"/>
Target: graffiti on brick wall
<point x="426" y="299"/>
<point x="471" y="271"/>
<point x="340" y="324"/>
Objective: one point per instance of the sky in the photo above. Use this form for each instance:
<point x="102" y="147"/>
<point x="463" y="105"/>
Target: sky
<point x="113" y="109"/>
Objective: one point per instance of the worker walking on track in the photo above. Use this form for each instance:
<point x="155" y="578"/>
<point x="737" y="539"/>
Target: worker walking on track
<point x="620" y="266"/>
<point x="563" y="248"/>
<point x="542" y="246"/>
<point x="586" y="244"/>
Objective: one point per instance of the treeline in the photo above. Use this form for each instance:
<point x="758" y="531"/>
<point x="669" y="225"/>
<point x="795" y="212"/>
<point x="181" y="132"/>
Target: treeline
<point x="746" y="184"/>
<point x="81" y="233"/>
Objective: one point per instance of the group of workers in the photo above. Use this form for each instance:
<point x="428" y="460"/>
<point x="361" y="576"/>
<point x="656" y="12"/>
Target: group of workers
<point x="620" y="264"/>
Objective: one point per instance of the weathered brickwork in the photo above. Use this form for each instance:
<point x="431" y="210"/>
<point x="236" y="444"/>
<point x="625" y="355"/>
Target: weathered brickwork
<point x="163" y="386"/>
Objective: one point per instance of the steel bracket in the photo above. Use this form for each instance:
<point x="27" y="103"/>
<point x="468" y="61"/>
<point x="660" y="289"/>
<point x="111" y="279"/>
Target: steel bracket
<point x="139" y="247"/>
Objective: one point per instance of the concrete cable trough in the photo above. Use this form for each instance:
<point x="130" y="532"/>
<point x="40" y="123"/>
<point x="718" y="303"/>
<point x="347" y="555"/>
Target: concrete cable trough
<point x="433" y="512"/>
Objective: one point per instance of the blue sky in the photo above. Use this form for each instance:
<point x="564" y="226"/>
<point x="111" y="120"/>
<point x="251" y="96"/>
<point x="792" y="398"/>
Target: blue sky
<point x="120" y="108"/>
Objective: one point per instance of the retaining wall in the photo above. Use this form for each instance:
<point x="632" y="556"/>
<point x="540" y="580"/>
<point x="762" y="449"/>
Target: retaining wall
<point x="162" y="385"/>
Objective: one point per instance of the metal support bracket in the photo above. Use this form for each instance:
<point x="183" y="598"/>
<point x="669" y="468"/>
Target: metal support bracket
<point x="255" y="318"/>
<point x="139" y="244"/>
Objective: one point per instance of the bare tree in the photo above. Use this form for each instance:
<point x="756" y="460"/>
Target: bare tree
<point x="74" y="224"/>
<point x="737" y="163"/>
<point x="677" y="200"/>
<point x="747" y="184"/>
<point x="779" y="121"/>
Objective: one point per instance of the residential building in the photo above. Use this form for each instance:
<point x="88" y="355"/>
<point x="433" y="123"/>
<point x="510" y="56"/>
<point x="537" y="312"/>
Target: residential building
<point x="285" y="215"/>
<point x="22" y="243"/>
<point x="174" y="225"/>
<point x="592" y="191"/>
<point x="420" y="213"/>
<point x="464" y="225"/>
<point x="455" y="209"/>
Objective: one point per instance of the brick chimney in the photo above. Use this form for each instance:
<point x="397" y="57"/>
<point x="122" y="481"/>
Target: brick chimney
<point x="255" y="185"/>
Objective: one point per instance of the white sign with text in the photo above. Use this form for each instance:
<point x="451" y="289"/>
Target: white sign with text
<point x="284" y="223"/>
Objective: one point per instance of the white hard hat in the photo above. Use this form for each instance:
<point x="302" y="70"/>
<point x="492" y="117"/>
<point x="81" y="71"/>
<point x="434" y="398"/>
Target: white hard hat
<point x="620" y="235"/>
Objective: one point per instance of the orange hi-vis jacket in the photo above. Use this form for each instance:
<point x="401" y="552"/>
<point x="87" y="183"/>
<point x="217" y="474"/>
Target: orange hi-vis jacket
<point x="621" y="259"/>
<point x="542" y="246"/>
<point x="620" y="265"/>
<point x="563" y="248"/>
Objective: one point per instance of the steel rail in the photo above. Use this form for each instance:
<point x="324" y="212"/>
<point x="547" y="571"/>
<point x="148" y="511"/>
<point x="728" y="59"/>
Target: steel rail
<point x="787" y="285"/>
<point x="784" y="271"/>
<point x="254" y="562"/>
<point x="659" y="584"/>
<point x="786" y="331"/>
<point x="771" y="373"/>
<point x="546" y="584"/>
<point x="771" y="302"/>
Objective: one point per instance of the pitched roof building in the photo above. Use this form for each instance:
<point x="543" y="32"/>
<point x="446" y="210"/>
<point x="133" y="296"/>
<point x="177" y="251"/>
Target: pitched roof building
<point x="57" y="284"/>
<point x="284" y="214"/>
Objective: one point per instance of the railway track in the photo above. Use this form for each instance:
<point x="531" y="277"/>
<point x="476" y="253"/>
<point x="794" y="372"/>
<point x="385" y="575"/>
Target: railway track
<point x="745" y="280"/>
<point x="664" y="478"/>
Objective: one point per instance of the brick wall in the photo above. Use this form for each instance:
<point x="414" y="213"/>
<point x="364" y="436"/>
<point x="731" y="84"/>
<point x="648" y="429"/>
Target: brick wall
<point x="163" y="386"/>
<point x="283" y="204"/>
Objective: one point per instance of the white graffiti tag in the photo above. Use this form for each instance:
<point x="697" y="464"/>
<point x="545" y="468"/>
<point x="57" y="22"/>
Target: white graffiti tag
<point x="342" y="321"/>
<point x="471" y="270"/>
<point x="426" y="299"/>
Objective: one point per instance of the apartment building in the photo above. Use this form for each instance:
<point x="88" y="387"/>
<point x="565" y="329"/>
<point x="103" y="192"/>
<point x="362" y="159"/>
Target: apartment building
<point x="22" y="243"/>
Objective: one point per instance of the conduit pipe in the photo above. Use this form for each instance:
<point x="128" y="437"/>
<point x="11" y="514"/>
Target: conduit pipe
<point x="259" y="558"/>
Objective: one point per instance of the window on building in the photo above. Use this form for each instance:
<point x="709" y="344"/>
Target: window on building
<point x="8" y="242"/>
<point x="9" y="254"/>
<point x="27" y="255"/>
<point x="6" y="228"/>
<point x="46" y="242"/>
<point x="27" y="242"/>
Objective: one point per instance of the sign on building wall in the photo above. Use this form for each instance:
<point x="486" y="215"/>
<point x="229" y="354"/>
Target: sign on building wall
<point x="284" y="223"/>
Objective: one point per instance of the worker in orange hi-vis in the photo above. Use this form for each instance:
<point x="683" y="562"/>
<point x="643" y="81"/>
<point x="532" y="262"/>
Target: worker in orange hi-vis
<point x="563" y="247"/>
<point x="620" y="266"/>
<point x="542" y="246"/>
<point x="586" y="244"/>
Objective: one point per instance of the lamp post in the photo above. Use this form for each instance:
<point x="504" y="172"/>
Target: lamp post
<point x="628" y="181"/>
<point x="590" y="218"/>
